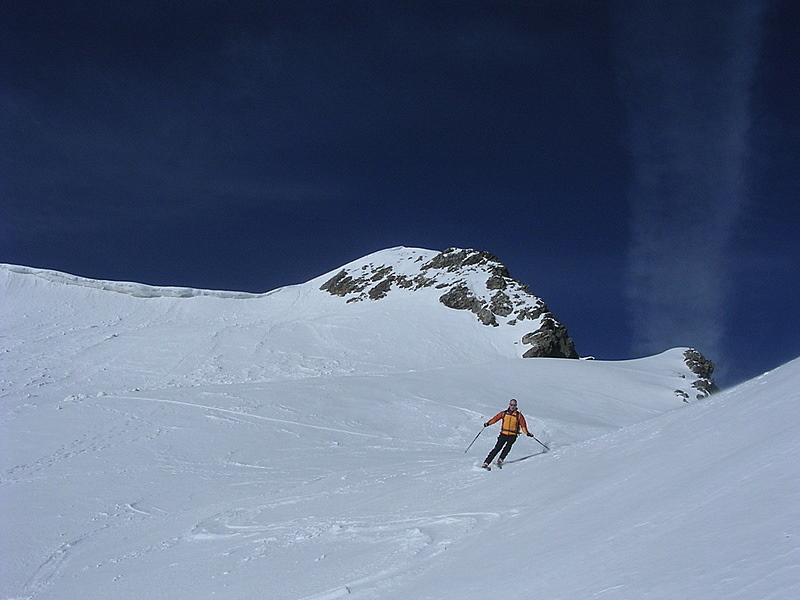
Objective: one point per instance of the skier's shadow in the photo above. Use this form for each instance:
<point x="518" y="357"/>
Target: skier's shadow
<point x="525" y="457"/>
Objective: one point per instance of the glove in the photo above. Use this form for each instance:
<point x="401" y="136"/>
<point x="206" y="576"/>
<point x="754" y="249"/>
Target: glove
<point x="530" y="435"/>
<point x="485" y="424"/>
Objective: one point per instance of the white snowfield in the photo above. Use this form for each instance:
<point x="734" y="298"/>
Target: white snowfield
<point x="167" y="443"/>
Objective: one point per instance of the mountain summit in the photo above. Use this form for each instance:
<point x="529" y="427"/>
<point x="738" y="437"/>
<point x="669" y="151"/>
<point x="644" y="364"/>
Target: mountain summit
<point x="465" y="280"/>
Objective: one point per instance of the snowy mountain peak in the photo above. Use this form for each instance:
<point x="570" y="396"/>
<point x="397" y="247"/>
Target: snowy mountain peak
<point x="463" y="279"/>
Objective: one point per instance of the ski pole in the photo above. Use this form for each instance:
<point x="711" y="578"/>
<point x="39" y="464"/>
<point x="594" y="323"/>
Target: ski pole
<point x="542" y="443"/>
<point x="473" y="441"/>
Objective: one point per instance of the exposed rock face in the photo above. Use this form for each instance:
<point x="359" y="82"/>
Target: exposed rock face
<point x="551" y="339"/>
<point x="704" y="369"/>
<point x="470" y="280"/>
<point x="455" y="260"/>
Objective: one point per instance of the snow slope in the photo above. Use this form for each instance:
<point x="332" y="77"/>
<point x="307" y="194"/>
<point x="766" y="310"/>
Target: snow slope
<point x="173" y="443"/>
<point x="698" y="503"/>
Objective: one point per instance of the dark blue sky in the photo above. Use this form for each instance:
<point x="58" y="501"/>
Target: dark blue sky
<point x="635" y="163"/>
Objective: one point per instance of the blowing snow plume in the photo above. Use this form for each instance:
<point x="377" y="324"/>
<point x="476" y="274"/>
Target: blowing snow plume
<point x="685" y="74"/>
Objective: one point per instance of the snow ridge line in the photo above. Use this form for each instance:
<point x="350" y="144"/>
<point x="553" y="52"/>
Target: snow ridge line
<point x="244" y="414"/>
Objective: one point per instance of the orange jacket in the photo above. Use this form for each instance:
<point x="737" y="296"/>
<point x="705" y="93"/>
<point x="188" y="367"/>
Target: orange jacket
<point x="512" y="422"/>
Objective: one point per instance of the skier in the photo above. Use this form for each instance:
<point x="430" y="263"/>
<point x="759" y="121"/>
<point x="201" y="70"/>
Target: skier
<point x="513" y="422"/>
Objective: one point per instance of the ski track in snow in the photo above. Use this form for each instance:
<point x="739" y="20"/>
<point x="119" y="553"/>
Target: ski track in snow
<point x="406" y="544"/>
<point x="250" y="416"/>
<point x="405" y="541"/>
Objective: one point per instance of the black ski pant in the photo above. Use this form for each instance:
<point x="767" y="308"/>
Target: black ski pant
<point x="504" y="443"/>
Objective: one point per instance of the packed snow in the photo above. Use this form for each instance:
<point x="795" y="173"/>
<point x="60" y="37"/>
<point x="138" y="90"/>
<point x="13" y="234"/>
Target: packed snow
<point x="184" y="444"/>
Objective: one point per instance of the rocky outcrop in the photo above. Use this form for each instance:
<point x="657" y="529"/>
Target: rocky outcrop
<point x="459" y="297"/>
<point x="704" y="369"/>
<point x="470" y="280"/>
<point x="343" y="284"/>
<point x="455" y="260"/>
<point x="550" y="340"/>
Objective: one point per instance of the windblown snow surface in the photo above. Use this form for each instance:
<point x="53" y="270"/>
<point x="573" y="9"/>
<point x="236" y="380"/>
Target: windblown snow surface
<point x="165" y="443"/>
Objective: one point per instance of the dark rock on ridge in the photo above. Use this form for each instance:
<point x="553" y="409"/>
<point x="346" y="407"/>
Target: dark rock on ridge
<point x="704" y="369"/>
<point x="551" y="339"/>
